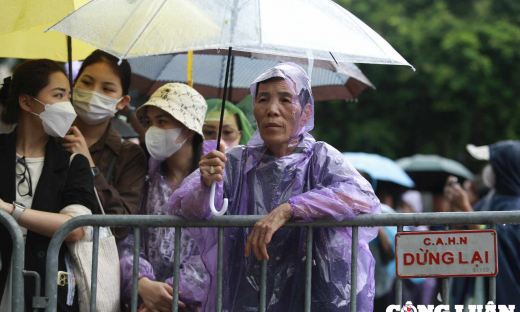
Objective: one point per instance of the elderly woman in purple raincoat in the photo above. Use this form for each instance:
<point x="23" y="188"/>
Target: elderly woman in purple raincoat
<point x="284" y="174"/>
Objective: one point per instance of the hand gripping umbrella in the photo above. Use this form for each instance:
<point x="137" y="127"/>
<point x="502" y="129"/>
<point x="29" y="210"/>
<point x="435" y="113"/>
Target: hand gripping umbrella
<point x="312" y="29"/>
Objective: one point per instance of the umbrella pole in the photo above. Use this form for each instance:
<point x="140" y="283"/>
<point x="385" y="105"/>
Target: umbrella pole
<point x="69" y="56"/>
<point x="232" y="74"/>
<point x="224" y="98"/>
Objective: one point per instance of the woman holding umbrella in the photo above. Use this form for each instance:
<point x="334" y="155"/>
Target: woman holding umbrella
<point x="284" y="174"/>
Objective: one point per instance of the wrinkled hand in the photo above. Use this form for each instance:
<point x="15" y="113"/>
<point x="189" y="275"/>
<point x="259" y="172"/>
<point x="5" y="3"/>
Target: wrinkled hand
<point x="216" y="160"/>
<point x="76" y="144"/>
<point x="456" y="196"/>
<point x="264" y="229"/>
<point x="157" y="296"/>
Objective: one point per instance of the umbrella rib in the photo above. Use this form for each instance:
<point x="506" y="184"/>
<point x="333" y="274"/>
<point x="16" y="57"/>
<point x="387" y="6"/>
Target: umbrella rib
<point x="333" y="58"/>
<point x="142" y="30"/>
<point x="363" y="30"/>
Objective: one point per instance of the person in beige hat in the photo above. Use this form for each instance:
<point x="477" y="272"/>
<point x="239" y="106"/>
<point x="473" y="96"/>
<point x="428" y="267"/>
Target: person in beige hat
<point x="173" y="118"/>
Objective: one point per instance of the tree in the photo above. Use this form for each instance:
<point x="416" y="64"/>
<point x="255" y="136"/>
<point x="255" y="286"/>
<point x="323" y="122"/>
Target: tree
<point x="466" y="88"/>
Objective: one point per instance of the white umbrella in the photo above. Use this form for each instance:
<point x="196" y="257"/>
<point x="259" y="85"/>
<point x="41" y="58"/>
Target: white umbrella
<point x="320" y="29"/>
<point x="313" y="29"/>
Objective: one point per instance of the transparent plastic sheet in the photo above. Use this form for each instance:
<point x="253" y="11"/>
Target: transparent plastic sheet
<point x="157" y="248"/>
<point x="292" y="28"/>
<point x="319" y="183"/>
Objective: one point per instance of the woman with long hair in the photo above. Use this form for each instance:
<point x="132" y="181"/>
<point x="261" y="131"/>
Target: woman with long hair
<point x="42" y="187"/>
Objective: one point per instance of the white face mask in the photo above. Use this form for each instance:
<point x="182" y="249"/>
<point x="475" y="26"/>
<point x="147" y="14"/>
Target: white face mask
<point x="93" y="107"/>
<point x="161" y="143"/>
<point x="57" y="118"/>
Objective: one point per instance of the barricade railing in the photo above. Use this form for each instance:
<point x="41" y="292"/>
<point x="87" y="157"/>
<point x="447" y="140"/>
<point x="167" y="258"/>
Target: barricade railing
<point x="17" y="260"/>
<point x="138" y="222"/>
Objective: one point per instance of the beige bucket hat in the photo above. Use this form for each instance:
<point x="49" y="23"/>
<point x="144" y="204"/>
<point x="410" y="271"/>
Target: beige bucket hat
<point x="182" y="102"/>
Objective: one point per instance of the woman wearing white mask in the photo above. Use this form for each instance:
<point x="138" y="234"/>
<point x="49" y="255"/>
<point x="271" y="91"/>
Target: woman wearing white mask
<point x="173" y="117"/>
<point x="118" y="167"/>
<point x="40" y="187"/>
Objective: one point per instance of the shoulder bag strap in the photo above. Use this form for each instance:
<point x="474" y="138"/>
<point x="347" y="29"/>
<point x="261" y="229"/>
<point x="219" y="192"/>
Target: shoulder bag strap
<point x="95" y="191"/>
<point x="113" y="162"/>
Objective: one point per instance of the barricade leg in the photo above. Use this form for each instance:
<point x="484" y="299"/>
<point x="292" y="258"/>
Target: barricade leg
<point x="308" y="270"/>
<point x="93" y="286"/>
<point x="446" y="282"/>
<point x="176" y="267"/>
<point x="493" y="279"/>
<point x="399" y="282"/>
<point x="18" y="260"/>
<point x="220" y="264"/>
<point x="37" y="283"/>
<point x="263" y="285"/>
<point x="353" y="275"/>
<point x="135" y="268"/>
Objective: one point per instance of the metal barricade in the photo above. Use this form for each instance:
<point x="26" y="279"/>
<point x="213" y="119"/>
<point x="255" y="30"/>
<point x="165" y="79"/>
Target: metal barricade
<point x="138" y="222"/>
<point x="17" y="260"/>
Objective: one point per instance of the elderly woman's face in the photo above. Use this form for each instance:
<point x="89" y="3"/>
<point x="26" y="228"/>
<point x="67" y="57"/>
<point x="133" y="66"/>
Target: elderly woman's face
<point x="275" y="113"/>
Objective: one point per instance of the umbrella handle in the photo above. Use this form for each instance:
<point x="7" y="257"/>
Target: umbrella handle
<point x="212" y="202"/>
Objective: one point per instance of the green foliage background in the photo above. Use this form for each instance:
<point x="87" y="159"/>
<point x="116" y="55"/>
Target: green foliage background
<point x="466" y="88"/>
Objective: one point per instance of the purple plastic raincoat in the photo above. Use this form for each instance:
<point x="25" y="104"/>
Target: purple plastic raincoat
<point x="319" y="183"/>
<point x="157" y="248"/>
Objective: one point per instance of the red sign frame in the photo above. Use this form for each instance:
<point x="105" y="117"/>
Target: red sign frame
<point x="445" y="232"/>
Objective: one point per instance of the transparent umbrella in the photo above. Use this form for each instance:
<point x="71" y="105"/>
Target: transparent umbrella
<point x="320" y="29"/>
<point x="312" y="29"/>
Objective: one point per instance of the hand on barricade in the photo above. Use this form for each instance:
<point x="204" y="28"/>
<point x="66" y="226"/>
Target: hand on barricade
<point x="157" y="296"/>
<point x="264" y="229"/>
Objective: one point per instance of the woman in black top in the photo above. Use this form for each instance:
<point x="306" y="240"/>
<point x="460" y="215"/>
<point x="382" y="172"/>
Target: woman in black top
<point x="39" y="186"/>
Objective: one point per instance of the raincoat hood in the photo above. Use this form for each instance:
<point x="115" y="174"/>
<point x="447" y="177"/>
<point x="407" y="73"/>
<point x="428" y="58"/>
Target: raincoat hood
<point x="213" y="113"/>
<point x="505" y="158"/>
<point x="300" y="85"/>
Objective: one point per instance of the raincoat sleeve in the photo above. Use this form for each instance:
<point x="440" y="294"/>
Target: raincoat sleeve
<point x="339" y="192"/>
<point x="191" y="200"/>
<point x="126" y="247"/>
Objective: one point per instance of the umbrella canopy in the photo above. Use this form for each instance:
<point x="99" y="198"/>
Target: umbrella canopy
<point x="430" y="172"/>
<point x="316" y="29"/>
<point x="22" y="26"/>
<point x="380" y="168"/>
<point x="330" y="81"/>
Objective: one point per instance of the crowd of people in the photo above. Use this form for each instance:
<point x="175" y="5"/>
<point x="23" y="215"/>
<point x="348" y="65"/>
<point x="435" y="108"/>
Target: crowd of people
<point x="62" y="160"/>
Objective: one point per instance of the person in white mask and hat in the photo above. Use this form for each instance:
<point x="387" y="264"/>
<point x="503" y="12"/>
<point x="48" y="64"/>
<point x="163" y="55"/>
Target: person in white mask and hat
<point x="173" y="118"/>
<point x="42" y="186"/>
<point x="118" y="166"/>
